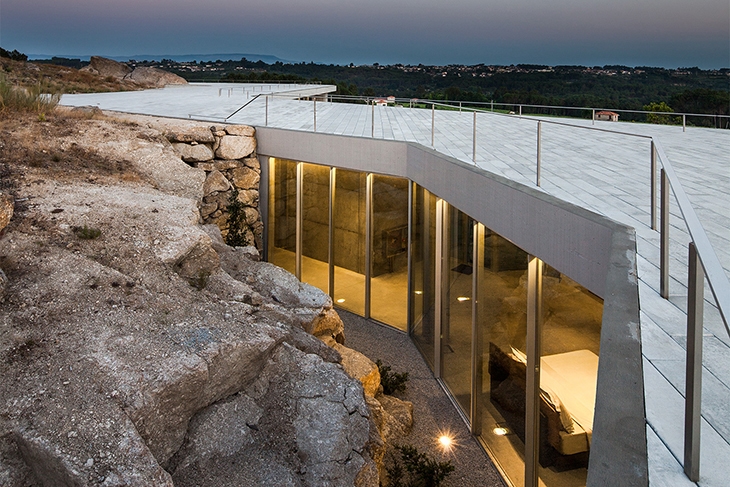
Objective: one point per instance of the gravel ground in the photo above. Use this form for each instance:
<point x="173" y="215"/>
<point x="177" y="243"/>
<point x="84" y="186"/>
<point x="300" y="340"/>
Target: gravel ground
<point x="433" y="412"/>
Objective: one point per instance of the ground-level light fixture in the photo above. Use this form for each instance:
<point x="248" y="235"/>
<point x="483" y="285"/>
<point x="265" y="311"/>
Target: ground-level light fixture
<point x="341" y="300"/>
<point x="461" y="299"/>
<point x="500" y="431"/>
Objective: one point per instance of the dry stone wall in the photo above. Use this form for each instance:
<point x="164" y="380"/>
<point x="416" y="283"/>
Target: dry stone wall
<point x="227" y="154"/>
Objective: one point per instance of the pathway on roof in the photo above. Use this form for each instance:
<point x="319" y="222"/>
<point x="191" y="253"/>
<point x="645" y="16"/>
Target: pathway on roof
<point x="607" y="173"/>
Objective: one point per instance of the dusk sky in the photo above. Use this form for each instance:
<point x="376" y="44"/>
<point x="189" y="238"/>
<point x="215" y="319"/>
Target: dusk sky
<point x="669" y="33"/>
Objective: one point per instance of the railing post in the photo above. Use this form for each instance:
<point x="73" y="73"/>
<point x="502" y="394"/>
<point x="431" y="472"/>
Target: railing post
<point x="684" y="122"/>
<point x="693" y="384"/>
<point x="314" y="110"/>
<point x="520" y="111"/>
<point x="372" y="120"/>
<point x="492" y="104"/>
<point x="267" y="111"/>
<point x="539" y="150"/>
<point x="459" y="107"/>
<point x="664" y="238"/>
<point x="433" y="122"/>
<point x="653" y="185"/>
<point x="593" y="117"/>
<point x="474" y="141"/>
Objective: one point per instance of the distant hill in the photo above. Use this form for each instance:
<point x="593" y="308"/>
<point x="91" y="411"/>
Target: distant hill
<point x="181" y="58"/>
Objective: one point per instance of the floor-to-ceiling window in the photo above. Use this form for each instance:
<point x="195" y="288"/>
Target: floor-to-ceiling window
<point x="456" y="316"/>
<point x="349" y="239"/>
<point x="571" y="334"/>
<point x="315" y="225"/>
<point x="389" y="251"/>
<point x="282" y="231"/>
<point x="423" y="271"/>
<point x="502" y="321"/>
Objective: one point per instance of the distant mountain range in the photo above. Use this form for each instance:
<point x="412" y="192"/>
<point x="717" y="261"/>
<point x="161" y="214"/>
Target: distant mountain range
<point x="180" y="58"/>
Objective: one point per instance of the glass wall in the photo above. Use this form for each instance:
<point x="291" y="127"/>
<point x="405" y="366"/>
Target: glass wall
<point x="315" y="225"/>
<point x="349" y="239"/>
<point x="502" y="321"/>
<point x="571" y="334"/>
<point x="456" y="314"/>
<point x="282" y="229"/>
<point x="467" y="310"/>
<point x="423" y="272"/>
<point x="389" y="273"/>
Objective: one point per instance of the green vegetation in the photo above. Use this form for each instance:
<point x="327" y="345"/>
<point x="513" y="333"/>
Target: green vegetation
<point x="33" y="99"/>
<point x="236" y="236"/>
<point x="414" y="469"/>
<point x="392" y="382"/>
<point x="658" y="118"/>
<point x="87" y="233"/>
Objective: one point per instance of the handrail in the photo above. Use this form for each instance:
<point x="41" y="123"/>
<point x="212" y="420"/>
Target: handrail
<point x="716" y="277"/>
<point x="462" y="103"/>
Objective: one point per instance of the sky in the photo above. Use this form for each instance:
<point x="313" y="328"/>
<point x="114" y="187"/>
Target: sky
<point x="666" y="33"/>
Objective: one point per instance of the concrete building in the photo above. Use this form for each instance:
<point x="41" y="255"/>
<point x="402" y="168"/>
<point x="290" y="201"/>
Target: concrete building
<point x="523" y="257"/>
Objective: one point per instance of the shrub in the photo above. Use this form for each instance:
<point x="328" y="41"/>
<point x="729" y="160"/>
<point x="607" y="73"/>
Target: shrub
<point x="410" y="468"/>
<point x="236" y="236"/>
<point x="392" y="382"/>
<point x="34" y="99"/>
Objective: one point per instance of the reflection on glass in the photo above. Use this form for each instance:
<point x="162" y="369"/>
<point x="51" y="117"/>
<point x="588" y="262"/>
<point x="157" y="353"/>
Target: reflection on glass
<point x="349" y="240"/>
<point x="283" y="213"/>
<point x="423" y="271"/>
<point x="315" y="225"/>
<point x="389" y="274"/>
<point x="571" y="333"/>
<point x="457" y="303"/>
<point x="502" y="318"/>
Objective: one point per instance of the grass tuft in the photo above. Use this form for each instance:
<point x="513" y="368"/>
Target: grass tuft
<point x="35" y="99"/>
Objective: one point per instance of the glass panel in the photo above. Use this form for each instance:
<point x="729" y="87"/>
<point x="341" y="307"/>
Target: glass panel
<point x="283" y="213"/>
<point x="502" y="318"/>
<point x="571" y="334"/>
<point x="315" y="225"/>
<point x="389" y="275"/>
<point x="457" y="312"/>
<point x="349" y="240"/>
<point x="423" y="271"/>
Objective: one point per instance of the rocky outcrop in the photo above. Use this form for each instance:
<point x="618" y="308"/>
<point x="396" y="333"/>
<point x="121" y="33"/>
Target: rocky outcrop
<point x="104" y="67"/>
<point x="153" y="354"/>
<point x="144" y="76"/>
<point x="150" y="76"/>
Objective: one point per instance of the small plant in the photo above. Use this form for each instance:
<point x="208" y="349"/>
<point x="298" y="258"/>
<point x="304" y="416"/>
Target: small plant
<point x="392" y="382"/>
<point x="87" y="233"/>
<point x="410" y="468"/>
<point x="236" y="236"/>
<point x="201" y="280"/>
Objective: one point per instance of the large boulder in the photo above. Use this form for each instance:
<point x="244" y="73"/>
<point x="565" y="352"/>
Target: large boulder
<point x="107" y="67"/>
<point x="156" y="77"/>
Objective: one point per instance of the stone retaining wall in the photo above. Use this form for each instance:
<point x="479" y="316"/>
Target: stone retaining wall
<point x="227" y="154"/>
